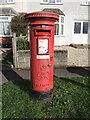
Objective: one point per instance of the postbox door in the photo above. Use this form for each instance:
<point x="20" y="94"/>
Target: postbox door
<point x="45" y="64"/>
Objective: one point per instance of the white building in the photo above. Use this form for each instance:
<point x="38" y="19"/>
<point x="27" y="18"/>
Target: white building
<point x="73" y="25"/>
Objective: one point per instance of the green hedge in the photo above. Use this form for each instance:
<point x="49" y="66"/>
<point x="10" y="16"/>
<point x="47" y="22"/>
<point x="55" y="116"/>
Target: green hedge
<point x="23" y="44"/>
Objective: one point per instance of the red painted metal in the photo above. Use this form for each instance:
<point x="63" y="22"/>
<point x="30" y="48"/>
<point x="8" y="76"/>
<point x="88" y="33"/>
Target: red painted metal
<point x="42" y="32"/>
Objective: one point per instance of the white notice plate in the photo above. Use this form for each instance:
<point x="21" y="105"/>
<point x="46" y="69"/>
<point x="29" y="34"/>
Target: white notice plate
<point x="43" y="46"/>
<point x="43" y="56"/>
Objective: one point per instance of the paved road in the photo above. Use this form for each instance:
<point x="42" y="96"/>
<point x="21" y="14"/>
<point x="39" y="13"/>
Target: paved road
<point x="7" y="73"/>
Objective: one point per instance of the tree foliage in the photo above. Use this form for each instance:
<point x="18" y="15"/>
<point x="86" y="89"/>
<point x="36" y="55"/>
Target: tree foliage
<point x="19" y="25"/>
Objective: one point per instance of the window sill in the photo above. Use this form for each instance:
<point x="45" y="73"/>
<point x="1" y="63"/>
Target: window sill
<point x="5" y="36"/>
<point x="51" y="3"/>
<point x="6" y="3"/>
<point x="58" y="35"/>
<point x="83" y="4"/>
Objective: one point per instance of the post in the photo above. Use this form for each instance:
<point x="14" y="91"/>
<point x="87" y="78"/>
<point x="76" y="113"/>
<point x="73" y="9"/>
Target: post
<point x="14" y="49"/>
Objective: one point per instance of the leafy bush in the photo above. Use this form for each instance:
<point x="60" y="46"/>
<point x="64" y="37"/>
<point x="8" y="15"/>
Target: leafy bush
<point x="22" y="44"/>
<point x="19" y="25"/>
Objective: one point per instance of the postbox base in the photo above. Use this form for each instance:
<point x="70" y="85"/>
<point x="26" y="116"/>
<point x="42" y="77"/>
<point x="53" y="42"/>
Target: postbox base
<point x="42" y="95"/>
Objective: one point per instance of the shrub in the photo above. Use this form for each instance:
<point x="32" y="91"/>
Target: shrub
<point x="19" y="25"/>
<point x="23" y="44"/>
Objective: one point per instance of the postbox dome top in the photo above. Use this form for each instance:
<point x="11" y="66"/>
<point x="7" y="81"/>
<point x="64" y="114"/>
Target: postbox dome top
<point x="42" y="14"/>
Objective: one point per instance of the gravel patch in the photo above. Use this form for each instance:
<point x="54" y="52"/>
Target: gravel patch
<point x="76" y="56"/>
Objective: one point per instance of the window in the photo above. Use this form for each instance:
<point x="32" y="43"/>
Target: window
<point x="86" y="2"/>
<point x="6" y="1"/>
<point x="52" y="1"/>
<point x="5" y="29"/>
<point x="77" y="28"/>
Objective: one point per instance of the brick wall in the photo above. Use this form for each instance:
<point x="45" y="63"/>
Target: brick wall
<point x="4" y="40"/>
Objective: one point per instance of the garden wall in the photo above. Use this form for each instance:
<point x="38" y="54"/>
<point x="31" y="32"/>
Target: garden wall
<point x="21" y="58"/>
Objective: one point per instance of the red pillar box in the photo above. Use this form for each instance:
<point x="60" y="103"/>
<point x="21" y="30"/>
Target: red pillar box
<point x="42" y="50"/>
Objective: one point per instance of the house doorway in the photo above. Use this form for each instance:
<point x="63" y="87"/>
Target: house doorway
<point x="80" y="32"/>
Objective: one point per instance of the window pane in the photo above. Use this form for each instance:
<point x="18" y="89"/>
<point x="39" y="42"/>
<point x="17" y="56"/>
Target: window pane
<point x="45" y="0"/>
<point x="62" y="19"/>
<point x="85" y="27"/>
<point x="0" y="1"/>
<point x="10" y="0"/>
<point x="62" y="29"/>
<point x="77" y="27"/>
<point x="51" y="1"/>
<point x="89" y="1"/>
<point x="1" y="29"/>
<point x="6" y="28"/>
<point x="58" y="0"/>
<point x="56" y="29"/>
<point x="3" y="1"/>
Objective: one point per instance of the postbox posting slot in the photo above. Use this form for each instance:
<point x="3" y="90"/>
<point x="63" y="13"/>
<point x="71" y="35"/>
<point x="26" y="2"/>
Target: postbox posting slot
<point x="42" y="32"/>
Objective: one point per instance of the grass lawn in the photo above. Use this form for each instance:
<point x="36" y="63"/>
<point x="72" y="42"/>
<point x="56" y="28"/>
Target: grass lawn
<point x="70" y="100"/>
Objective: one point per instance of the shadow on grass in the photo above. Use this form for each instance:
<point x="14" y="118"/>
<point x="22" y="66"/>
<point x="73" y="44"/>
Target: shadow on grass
<point x="85" y="72"/>
<point x="11" y="75"/>
<point x="67" y="80"/>
<point x="24" y="84"/>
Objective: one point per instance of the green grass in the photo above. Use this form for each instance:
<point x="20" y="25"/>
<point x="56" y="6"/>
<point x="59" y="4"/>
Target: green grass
<point x="70" y="100"/>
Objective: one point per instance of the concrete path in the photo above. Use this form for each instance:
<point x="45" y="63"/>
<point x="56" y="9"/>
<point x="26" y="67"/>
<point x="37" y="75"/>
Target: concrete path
<point x="7" y="73"/>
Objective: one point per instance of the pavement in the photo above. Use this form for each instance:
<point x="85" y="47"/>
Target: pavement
<point x="7" y="73"/>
